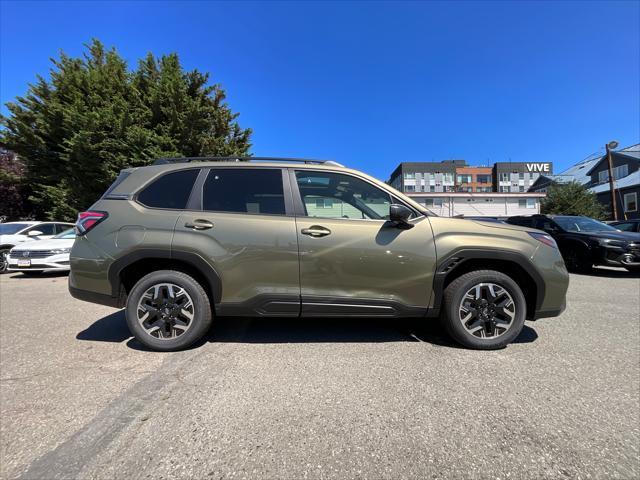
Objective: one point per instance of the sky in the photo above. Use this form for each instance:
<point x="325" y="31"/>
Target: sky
<point x="371" y="84"/>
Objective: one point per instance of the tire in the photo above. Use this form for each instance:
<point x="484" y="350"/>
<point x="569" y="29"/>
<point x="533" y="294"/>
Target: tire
<point x="4" y="262"/>
<point x="174" y="322"/>
<point x="491" y="325"/>
<point x="577" y="260"/>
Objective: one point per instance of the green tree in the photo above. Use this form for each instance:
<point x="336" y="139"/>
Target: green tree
<point x="94" y="117"/>
<point x="13" y="188"/>
<point x="572" y="199"/>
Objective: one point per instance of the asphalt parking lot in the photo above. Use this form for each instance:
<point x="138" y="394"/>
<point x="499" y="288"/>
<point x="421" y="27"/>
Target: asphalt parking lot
<point x="318" y="398"/>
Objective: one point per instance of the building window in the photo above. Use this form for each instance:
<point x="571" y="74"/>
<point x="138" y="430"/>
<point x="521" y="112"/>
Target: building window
<point x="631" y="202"/>
<point x="483" y="178"/>
<point x="409" y="176"/>
<point x="464" y="178"/>
<point x="504" y="177"/>
<point x="505" y="189"/>
<point x="521" y="175"/>
<point x="433" y="202"/>
<point x="527" y="203"/>
<point x="521" y="188"/>
<point x="324" y="202"/>
<point x="618" y="172"/>
<point x="409" y="188"/>
<point x="448" y="177"/>
<point x="432" y="188"/>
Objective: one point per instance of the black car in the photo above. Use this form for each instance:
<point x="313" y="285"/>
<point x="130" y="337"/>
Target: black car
<point x="585" y="242"/>
<point x="627" y="225"/>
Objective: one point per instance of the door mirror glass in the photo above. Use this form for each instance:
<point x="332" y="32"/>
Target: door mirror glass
<point x="400" y="215"/>
<point x="34" y="233"/>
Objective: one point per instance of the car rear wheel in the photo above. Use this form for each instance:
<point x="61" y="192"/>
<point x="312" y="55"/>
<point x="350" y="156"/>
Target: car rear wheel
<point x="484" y="309"/>
<point x="168" y="310"/>
<point x="4" y="260"/>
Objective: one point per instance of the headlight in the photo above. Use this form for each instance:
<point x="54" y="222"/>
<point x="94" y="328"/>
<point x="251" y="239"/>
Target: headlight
<point x="57" y="251"/>
<point x="544" y="238"/>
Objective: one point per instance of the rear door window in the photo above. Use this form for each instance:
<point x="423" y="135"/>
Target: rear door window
<point x="170" y="191"/>
<point x="244" y="190"/>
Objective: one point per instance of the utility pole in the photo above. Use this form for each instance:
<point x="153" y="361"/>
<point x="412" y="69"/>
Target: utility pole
<point x="609" y="146"/>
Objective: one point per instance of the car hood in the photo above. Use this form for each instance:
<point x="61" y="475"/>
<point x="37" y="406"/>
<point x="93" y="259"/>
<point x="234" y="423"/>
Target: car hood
<point x="624" y="236"/>
<point x="50" y="244"/>
<point x="505" y="226"/>
<point x="13" y="239"/>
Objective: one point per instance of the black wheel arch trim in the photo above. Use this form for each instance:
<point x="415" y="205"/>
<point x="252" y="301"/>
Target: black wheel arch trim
<point x="463" y="254"/>
<point x="190" y="258"/>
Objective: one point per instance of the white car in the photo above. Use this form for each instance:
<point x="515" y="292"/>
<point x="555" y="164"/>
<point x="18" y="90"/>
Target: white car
<point x="43" y="256"/>
<point x="14" y="233"/>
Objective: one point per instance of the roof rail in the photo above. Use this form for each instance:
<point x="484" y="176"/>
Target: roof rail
<point x="164" y="161"/>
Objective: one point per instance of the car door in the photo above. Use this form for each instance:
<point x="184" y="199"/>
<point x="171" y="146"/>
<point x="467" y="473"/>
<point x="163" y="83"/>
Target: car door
<point x="241" y="220"/>
<point x="353" y="261"/>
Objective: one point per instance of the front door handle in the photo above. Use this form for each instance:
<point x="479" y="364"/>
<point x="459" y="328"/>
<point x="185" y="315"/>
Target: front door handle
<point x="316" y="231"/>
<point x="199" y="224"/>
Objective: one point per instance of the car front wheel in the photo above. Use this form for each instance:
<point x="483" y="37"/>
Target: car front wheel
<point x="168" y="310"/>
<point x="4" y="260"/>
<point x="484" y="309"/>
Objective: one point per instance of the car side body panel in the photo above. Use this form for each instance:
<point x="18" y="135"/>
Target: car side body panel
<point x="465" y="239"/>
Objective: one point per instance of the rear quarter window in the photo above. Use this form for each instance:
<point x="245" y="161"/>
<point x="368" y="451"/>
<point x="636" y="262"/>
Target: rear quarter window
<point x="170" y="191"/>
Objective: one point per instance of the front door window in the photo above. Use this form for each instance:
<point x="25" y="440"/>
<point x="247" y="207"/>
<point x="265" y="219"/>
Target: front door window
<point x="334" y="195"/>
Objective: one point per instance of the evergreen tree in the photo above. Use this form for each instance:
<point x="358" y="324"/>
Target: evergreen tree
<point x="94" y="117"/>
<point x="572" y="199"/>
<point x="13" y="188"/>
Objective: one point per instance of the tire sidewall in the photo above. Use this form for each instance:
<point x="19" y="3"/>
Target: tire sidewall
<point x="201" y="318"/>
<point x="454" y="325"/>
<point x="4" y="267"/>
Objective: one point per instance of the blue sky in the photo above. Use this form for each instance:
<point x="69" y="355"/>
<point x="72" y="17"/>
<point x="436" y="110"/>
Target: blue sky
<point x="373" y="84"/>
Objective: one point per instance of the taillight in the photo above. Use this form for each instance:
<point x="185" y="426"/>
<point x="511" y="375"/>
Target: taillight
<point x="87" y="220"/>
<point x="544" y="238"/>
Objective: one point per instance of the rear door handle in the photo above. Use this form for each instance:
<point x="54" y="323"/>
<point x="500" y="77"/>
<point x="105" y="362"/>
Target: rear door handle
<point x="316" y="231"/>
<point x="199" y="224"/>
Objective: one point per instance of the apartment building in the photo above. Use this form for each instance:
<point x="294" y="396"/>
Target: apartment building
<point x="453" y="188"/>
<point x="474" y="179"/>
<point x="518" y="177"/>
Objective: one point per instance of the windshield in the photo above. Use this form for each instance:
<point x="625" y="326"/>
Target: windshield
<point x="71" y="234"/>
<point x="582" y="224"/>
<point x="11" y="228"/>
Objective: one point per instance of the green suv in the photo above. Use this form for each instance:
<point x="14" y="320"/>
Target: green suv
<point x="184" y="241"/>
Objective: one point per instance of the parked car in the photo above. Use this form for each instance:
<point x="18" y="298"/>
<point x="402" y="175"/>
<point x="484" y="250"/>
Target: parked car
<point x="585" y="242"/>
<point x="44" y="256"/>
<point x="627" y="225"/>
<point x="14" y="233"/>
<point x="182" y="241"/>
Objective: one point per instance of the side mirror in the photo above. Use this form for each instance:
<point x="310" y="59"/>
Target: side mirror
<point x="400" y="215"/>
<point x="34" y="233"/>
